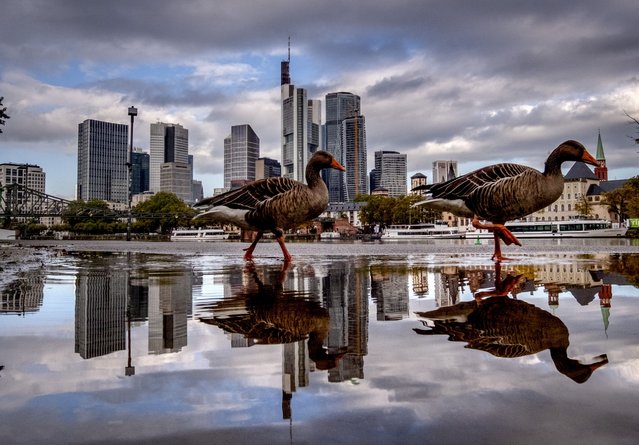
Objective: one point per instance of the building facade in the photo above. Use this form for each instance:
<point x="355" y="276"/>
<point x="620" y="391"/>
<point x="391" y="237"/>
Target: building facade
<point x="168" y="143"/>
<point x="300" y="131"/>
<point x="354" y="146"/>
<point x="444" y="170"/>
<point x="339" y="106"/>
<point x="102" y="161"/>
<point x="267" y="168"/>
<point x="416" y="180"/>
<point x="390" y="172"/>
<point x="25" y="175"/>
<point x="140" y="163"/>
<point x="241" y="151"/>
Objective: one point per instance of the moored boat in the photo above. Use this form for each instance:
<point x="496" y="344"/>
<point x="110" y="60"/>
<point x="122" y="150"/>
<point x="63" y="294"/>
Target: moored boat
<point x="573" y="228"/>
<point x="199" y="235"/>
<point x="421" y="231"/>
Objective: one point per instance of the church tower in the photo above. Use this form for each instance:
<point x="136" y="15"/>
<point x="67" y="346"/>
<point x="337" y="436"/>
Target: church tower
<point x="601" y="171"/>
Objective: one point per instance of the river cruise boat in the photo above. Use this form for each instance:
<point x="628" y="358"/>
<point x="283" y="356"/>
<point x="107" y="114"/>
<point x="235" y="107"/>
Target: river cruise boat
<point x="199" y="235"/>
<point x="424" y="231"/>
<point x="574" y="228"/>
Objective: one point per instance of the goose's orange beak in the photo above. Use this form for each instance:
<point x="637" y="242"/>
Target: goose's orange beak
<point x="337" y="166"/>
<point x="589" y="159"/>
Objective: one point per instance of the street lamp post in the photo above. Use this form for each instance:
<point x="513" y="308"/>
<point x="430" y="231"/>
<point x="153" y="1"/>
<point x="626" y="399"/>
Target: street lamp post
<point x="132" y="112"/>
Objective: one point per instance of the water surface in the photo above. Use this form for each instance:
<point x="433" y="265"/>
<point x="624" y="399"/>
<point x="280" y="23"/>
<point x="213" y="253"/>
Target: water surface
<point x="160" y="348"/>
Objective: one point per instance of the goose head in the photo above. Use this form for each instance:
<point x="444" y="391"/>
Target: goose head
<point x="569" y="151"/>
<point x="322" y="159"/>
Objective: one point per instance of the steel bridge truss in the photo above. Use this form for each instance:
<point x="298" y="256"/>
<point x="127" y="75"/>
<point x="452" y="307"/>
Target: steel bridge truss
<point x="19" y="201"/>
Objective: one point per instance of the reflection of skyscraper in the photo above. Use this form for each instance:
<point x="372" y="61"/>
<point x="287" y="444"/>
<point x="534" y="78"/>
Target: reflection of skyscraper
<point x="447" y="286"/>
<point x="345" y="293"/>
<point x="295" y="372"/>
<point x="389" y="291"/>
<point x="100" y="311"/>
<point x="23" y="295"/>
<point x="169" y="307"/>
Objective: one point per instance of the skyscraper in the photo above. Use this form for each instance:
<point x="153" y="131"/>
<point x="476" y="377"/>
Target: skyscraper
<point x="339" y="106"/>
<point x="444" y="170"/>
<point x="241" y="150"/>
<point x="301" y="123"/>
<point x="102" y="158"/>
<point x="267" y="168"/>
<point x="169" y="143"/>
<point x="390" y="171"/>
<point x="354" y="146"/>
<point x="139" y="171"/>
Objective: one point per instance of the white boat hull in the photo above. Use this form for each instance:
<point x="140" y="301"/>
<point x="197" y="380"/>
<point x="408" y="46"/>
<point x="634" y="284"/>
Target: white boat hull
<point x="421" y="232"/>
<point x="558" y="229"/>
<point x="199" y="235"/>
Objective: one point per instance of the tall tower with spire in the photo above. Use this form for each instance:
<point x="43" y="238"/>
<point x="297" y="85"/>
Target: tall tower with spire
<point x="301" y="123"/>
<point x="601" y="171"/>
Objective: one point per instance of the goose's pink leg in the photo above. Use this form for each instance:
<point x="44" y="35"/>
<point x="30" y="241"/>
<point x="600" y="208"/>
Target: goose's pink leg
<point x="500" y="232"/>
<point x="248" y="255"/>
<point x="287" y="256"/>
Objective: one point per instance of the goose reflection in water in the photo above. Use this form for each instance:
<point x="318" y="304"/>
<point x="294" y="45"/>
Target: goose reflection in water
<point x="507" y="327"/>
<point x="270" y="314"/>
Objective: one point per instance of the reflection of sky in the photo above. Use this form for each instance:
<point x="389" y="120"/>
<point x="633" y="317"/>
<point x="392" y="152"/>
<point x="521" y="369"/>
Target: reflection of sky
<point x="420" y="389"/>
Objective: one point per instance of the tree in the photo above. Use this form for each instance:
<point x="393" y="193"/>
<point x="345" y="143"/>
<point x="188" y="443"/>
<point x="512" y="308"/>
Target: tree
<point x="583" y="207"/>
<point x="3" y="115"/>
<point x="92" y="216"/>
<point x="624" y="201"/>
<point x="162" y="213"/>
<point x="387" y="210"/>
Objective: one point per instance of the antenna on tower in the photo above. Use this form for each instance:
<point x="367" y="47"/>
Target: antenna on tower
<point x="289" y="49"/>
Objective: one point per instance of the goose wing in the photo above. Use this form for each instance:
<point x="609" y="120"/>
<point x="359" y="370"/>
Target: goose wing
<point x="249" y="196"/>
<point x="461" y="187"/>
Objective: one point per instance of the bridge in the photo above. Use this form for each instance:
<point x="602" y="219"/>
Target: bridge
<point x="19" y="201"/>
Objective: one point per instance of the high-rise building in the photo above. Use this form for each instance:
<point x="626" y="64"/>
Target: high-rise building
<point x="301" y="123"/>
<point x="198" y="191"/>
<point x="339" y="106"/>
<point x="354" y="146"/>
<point x="102" y="161"/>
<point x="241" y="150"/>
<point x="390" y="172"/>
<point x="27" y="175"/>
<point x="139" y="171"/>
<point x="444" y="170"/>
<point x="267" y="168"/>
<point x="169" y="143"/>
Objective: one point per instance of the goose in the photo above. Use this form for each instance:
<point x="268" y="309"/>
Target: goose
<point x="504" y="192"/>
<point x="268" y="314"/>
<point x="508" y="328"/>
<point x="273" y="204"/>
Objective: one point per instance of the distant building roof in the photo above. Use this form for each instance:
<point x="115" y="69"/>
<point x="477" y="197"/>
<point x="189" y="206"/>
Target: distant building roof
<point x="418" y="175"/>
<point x="605" y="187"/>
<point x="579" y="171"/>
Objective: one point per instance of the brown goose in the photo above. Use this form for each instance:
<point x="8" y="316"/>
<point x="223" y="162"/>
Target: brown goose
<point x="273" y="204"/>
<point x="269" y="314"/>
<point x="508" y="328"/>
<point x="504" y="192"/>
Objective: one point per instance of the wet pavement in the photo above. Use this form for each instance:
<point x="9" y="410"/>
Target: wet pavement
<point x="352" y="343"/>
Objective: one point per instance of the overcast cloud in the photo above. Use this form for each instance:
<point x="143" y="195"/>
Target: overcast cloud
<point x="478" y="82"/>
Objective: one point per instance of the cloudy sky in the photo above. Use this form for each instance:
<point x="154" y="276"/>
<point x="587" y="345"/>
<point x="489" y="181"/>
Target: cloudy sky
<point x="478" y="82"/>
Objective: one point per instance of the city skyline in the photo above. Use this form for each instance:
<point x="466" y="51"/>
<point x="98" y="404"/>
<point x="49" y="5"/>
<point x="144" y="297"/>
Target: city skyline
<point x="479" y="83"/>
